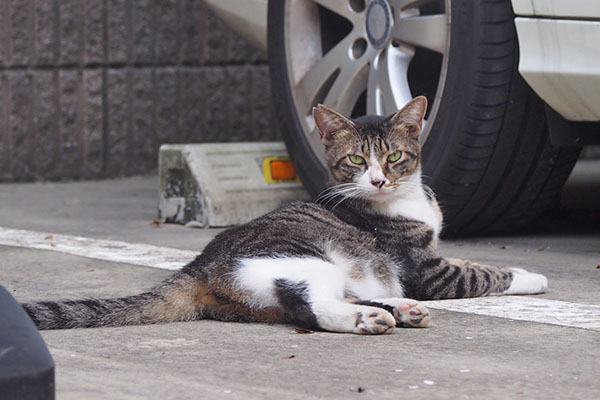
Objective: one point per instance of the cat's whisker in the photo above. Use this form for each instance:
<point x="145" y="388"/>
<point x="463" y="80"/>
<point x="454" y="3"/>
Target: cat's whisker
<point x="327" y="193"/>
<point x="331" y="192"/>
<point x="326" y="196"/>
<point x="429" y="192"/>
<point x="341" y="193"/>
<point x="344" y="186"/>
<point x="341" y="198"/>
<point x="338" y="203"/>
<point x="345" y="191"/>
<point x="335" y="189"/>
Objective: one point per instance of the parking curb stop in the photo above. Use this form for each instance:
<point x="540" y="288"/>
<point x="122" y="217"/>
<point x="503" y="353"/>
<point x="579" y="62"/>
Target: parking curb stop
<point x="222" y="184"/>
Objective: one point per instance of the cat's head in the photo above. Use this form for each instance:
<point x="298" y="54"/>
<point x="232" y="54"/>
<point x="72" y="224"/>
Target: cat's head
<point x="373" y="157"/>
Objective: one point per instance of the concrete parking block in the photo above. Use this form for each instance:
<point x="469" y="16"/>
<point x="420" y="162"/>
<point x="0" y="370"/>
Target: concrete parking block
<point x="222" y="184"/>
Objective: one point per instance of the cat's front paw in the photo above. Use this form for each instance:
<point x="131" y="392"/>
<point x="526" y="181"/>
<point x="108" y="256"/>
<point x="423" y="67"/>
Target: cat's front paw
<point x="524" y="282"/>
<point x="411" y="314"/>
<point x="374" y="322"/>
<point x="408" y="313"/>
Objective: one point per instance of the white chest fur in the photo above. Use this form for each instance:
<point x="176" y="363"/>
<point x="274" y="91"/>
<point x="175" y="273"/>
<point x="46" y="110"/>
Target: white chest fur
<point x="415" y="206"/>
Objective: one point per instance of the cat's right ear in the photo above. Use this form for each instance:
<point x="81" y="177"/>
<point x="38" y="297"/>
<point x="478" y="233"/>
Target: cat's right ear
<point x="329" y="122"/>
<point x="411" y="116"/>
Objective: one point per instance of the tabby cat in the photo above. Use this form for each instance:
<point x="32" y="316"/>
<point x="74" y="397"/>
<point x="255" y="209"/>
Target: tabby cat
<point x="345" y="264"/>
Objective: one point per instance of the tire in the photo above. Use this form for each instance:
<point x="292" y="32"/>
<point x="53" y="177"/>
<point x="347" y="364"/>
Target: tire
<point x="486" y="148"/>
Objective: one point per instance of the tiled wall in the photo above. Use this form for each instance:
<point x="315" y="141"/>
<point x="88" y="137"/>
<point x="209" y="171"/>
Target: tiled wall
<point x="90" y="89"/>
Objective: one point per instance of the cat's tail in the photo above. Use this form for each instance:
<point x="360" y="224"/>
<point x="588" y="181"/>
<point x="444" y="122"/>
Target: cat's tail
<point x="176" y="299"/>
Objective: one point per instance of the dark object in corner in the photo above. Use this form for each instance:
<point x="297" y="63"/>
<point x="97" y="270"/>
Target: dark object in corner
<point x="26" y="366"/>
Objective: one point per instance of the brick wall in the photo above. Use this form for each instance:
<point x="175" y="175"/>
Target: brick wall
<point x="90" y="89"/>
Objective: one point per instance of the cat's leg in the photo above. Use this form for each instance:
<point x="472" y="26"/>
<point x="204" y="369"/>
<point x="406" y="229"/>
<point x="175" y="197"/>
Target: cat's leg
<point x="456" y="278"/>
<point x="408" y="313"/>
<point x="339" y="316"/>
<point x="310" y="290"/>
<point x="521" y="281"/>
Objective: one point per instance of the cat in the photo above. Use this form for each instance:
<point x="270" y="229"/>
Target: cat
<point x="351" y="262"/>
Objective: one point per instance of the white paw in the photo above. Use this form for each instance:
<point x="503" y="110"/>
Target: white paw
<point x="375" y="321"/>
<point x="408" y="312"/>
<point x="526" y="282"/>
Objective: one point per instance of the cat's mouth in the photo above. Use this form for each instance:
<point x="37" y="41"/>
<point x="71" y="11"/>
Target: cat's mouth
<point x="380" y="194"/>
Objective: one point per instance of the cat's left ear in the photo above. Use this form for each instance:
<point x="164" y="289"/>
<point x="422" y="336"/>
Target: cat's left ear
<point x="411" y="116"/>
<point x="329" y="123"/>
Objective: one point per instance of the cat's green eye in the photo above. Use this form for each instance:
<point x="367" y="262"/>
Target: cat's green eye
<point x="358" y="160"/>
<point x="394" y="156"/>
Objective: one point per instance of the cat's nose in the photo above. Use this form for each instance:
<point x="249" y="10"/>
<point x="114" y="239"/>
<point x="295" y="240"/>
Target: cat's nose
<point x="377" y="183"/>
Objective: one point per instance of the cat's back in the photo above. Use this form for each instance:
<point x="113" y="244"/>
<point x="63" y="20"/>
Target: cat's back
<point x="297" y="229"/>
<point x="297" y="220"/>
<point x="298" y="215"/>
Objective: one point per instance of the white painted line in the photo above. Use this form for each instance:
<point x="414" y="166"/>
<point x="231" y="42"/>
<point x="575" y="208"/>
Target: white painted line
<point x="523" y="308"/>
<point x="109" y="250"/>
<point x="520" y="308"/>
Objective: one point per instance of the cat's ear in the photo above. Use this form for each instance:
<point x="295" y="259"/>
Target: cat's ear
<point x="329" y="123"/>
<point x="411" y="116"/>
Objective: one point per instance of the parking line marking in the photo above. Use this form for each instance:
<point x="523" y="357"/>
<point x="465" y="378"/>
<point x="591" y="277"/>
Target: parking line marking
<point x="108" y="250"/>
<point x="522" y="308"/>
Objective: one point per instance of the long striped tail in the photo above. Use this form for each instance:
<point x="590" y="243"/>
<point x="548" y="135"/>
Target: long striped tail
<point x="174" y="300"/>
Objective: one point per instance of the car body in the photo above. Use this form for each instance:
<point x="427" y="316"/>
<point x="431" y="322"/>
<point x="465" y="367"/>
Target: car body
<point x="559" y="45"/>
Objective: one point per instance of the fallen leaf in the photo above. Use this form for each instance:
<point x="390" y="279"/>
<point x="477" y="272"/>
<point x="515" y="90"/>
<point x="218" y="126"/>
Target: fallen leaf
<point x="288" y="356"/>
<point x="69" y="214"/>
<point x="502" y="247"/>
<point x="598" y="266"/>
<point x="301" y="330"/>
<point x="541" y="249"/>
<point x="156" y="223"/>
<point x="358" y="389"/>
<point x="49" y="237"/>
<point x="52" y="245"/>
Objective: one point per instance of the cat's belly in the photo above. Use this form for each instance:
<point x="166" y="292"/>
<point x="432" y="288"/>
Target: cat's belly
<point x="333" y="279"/>
<point x="369" y="276"/>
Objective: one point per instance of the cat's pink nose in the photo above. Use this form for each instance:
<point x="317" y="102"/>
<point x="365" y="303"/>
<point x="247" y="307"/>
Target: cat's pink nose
<point x="377" y="183"/>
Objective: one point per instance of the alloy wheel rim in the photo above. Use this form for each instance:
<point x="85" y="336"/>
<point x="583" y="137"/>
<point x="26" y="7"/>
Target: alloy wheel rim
<point x="365" y="56"/>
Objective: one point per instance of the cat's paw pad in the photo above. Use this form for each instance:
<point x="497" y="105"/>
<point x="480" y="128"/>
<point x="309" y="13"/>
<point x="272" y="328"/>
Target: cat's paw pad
<point x="525" y="282"/>
<point x="408" y="313"/>
<point x="411" y="314"/>
<point x="374" y="322"/>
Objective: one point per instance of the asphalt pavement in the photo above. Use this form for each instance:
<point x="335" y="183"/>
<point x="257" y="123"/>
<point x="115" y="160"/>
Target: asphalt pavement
<point x="502" y="354"/>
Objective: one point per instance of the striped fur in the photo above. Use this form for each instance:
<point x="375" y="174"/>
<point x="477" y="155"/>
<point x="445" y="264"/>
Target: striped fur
<point x="346" y="263"/>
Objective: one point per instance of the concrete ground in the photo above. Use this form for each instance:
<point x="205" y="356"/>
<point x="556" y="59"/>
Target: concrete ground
<point x="461" y="355"/>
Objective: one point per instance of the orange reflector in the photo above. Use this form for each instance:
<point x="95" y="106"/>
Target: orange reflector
<point x="282" y="169"/>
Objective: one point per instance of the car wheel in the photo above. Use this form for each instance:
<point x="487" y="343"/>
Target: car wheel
<point x="486" y="149"/>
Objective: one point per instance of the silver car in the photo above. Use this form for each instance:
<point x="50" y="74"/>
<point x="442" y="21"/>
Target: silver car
<point x="513" y="88"/>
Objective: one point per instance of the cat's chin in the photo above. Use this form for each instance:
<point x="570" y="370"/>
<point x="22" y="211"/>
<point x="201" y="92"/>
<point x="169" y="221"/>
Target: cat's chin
<point x="381" y="196"/>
